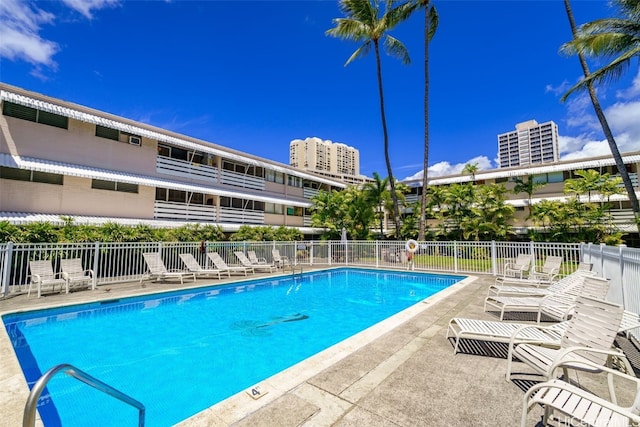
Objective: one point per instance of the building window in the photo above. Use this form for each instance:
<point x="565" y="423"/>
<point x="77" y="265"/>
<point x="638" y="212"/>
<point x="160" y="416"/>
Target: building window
<point x="100" y="184"/>
<point x="34" y="115"/>
<point x="274" y="208"/>
<point x="32" y="176"/>
<point x="294" y="211"/>
<point x="294" y="181"/>
<point x="109" y="133"/>
<point x="273" y="176"/>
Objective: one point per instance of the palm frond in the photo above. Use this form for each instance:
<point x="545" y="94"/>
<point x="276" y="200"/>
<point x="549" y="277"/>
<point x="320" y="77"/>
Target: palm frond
<point x="348" y="29"/>
<point x="361" y="51"/>
<point x="609" y="72"/>
<point x="394" y="47"/>
<point x="434" y="20"/>
<point x="364" y="11"/>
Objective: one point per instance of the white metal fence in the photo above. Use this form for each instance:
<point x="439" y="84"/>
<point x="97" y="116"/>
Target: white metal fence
<point x="122" y="262"/>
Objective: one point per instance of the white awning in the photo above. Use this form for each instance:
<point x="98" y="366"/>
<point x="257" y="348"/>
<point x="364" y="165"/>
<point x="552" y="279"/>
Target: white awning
<point x="201" y="146"/>
<point x="69" y="169"/>
<point x="521" y="171"/>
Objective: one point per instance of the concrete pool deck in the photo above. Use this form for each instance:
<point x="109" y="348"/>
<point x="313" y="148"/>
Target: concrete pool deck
<point x="401" y="372"/>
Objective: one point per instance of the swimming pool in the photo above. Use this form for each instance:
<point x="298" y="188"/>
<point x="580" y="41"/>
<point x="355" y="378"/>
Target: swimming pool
<point x="182" y="352"/>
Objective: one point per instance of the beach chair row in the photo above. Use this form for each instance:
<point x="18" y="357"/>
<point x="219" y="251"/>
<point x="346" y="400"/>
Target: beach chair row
<point x="580" y="337"/>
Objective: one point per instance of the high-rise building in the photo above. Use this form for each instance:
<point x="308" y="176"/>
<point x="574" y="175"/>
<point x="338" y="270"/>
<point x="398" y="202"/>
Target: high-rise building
<point x="531" y="143"/>
<point x="315" y="154"/>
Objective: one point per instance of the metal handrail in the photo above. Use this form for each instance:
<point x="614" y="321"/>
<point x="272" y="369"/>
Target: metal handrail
<point x="29" y="418"/>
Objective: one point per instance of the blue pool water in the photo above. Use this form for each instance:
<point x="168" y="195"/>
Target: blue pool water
<point x="181" y="352"/>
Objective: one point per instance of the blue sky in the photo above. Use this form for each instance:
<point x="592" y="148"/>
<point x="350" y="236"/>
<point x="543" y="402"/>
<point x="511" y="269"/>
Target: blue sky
<point x="254" y="75"/>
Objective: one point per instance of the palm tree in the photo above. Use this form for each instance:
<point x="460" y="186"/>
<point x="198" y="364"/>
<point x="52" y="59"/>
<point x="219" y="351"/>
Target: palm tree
<point x="365" y="22"/>
<point x="529" y="186"/>
<point x="430" y="26"/>
<point x="471" y="169"/>
<point x="604" y="37"/>
<point x="376" y="194"/>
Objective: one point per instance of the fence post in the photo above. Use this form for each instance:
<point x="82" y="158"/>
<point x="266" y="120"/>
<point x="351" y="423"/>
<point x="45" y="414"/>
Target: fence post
<point x="621" y="265"/>
<point x="96" y="263"/>
<point x="494" y="258"/>
<point x="455" y="256"/>
<point x="377" y="252"/>
<point x="532" y="251"/>
<point x="330" y="242"/>
<point x="4" y="286"/>
<point x="295" y="252"/>
<point x="602" y="246"/>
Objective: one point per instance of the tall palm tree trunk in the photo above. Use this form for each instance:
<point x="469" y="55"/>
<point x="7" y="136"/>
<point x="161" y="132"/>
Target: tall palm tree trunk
<point x="622" y="170"/>
<point x="392" y="181"/>
<point x="425" y="164"/>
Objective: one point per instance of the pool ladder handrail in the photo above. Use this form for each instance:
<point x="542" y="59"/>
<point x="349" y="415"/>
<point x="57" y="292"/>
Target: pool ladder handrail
<point x="29" y="418"/>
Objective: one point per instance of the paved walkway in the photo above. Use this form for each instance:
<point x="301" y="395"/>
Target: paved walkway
<point x="400" y="373"/>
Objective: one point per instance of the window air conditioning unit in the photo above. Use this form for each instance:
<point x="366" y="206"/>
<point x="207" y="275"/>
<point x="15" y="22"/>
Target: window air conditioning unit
<point x="135" y="140"/>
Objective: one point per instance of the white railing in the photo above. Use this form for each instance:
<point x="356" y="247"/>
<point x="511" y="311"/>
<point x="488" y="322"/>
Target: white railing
<point x="184" y="211"/>
<point x="242" y="180"/>
<point x="123" y="262"/>
<point x="308" y="192"/>
<point x="182" y="168"/>
<point x="241" y="216"/>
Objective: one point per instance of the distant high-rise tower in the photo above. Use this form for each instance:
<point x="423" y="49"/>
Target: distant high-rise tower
<point x="531" y="143"/>
<point x="324" y="156"/>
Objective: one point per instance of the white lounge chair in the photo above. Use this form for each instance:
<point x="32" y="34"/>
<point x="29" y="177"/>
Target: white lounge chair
<point x="496" y="331"/>
<point x="158" y="271"/>
<point x="42" y="276"/>
<point x="581" y="407"/>
<point x="517" y="267"/>
<point x="549" y="270"/>
<point x="247" y="263"/>
<point x="222" y="265"/>
<point x="255" y="260"/>
<point x="557" y="305"/>
<point x="195" y="267"/>
<point x="588" y="337"/>
<point x="558" y="286"/>
<point x="279" y="260"/>
<point x="76" y="275"/>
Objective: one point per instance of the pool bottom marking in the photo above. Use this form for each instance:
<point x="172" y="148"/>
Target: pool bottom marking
<point x="257" y="328"/>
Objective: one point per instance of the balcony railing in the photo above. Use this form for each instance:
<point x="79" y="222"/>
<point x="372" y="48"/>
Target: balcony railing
<point x="242" y="180"/>
<point x="184" y="211"/>
<point x="184" y="169"/>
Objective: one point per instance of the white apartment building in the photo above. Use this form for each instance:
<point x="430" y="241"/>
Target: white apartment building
<point x="530" y="144"/>
<point x="62" y="159"/>
<point x="315" y="154"/>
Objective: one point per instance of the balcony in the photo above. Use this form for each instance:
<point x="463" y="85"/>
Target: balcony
<point x="184" y="211"/>
<point x="242" y="180"/>
<point x="241" y="216"/>
<point x="184" y="169"/>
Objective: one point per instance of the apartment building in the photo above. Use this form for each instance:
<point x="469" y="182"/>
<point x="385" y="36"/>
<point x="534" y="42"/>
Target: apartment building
<point x="327" y="158"/>
<point x="530" y="144"/>
<point x="62" y="159"/>
<point x="553" y="177"/>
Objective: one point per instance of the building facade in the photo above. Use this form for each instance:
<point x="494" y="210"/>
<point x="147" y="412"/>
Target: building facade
<point x="530" y="144"/>
<point x="63" y="159"/>
<point x="553" y="176"/>
<point x="315" y="154"/>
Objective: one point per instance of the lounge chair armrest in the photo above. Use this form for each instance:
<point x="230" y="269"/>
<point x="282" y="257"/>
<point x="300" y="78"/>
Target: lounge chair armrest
<point x="566" y="354"/>
<point x="611" y="373"/>
<point x="35" y="278"/>
<point x="583" y="394"/>
<point x="89" y="272"/>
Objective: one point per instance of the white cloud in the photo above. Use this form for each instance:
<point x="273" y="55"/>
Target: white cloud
<point x="623" y="119"/>
<point x="558" y="90"/>
<point x="445" y="168"/>
<point x="21" y="23"/>
<point x="86" y="6"/>
<point x="631" y="92"/>
<point x="19" y="33"/>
